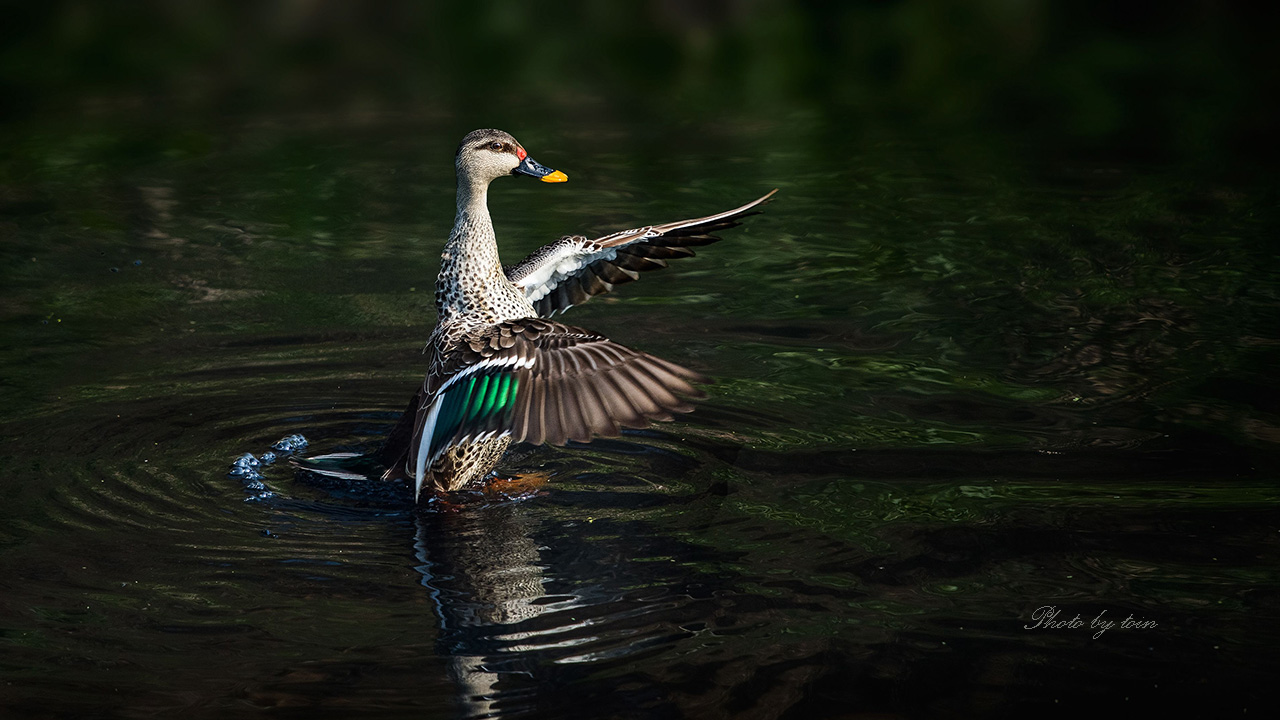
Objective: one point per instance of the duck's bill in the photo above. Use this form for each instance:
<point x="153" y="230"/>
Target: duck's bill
<point x="530" y="167"/>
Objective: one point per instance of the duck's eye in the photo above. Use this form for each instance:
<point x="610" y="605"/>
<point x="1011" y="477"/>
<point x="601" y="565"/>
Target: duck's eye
<point x="495" y="146"/>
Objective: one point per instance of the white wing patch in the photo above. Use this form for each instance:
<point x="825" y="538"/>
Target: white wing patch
<point x="567" y="258"/>
<point x="564" y="264"/>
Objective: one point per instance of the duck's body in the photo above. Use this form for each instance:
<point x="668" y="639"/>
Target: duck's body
<point x="498" y="371"/>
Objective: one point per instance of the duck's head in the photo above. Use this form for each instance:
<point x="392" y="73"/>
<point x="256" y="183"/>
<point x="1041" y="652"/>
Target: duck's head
<point x="486" y="155"/>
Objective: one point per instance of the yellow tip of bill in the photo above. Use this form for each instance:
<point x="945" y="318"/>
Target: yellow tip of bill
<point x="556" y="176"/>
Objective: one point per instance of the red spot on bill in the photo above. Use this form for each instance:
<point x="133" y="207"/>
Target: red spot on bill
<point x="520" y="153"/>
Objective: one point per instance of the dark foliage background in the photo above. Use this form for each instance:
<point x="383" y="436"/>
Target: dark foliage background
<point x="1184" y="80"/>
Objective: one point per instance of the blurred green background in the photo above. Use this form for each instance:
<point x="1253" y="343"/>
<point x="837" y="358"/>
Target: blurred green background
<point x="1184" y="80"/>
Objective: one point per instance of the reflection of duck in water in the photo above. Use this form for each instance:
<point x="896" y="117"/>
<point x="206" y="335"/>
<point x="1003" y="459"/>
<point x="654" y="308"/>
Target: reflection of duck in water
<point x="485" y="575"/>
<point x="498" y="371"/>
<point x="531" y="600"/>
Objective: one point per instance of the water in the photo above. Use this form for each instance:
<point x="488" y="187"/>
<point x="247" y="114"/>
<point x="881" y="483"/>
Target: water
<point x="952" y="385"/>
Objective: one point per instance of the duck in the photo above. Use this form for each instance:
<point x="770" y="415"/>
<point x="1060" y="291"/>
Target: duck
<point x="500" y="370"/>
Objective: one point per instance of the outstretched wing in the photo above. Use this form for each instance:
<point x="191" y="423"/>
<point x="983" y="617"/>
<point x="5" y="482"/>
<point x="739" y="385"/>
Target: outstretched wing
<point x="572" y="269"/>
<point x="539" y="381"/>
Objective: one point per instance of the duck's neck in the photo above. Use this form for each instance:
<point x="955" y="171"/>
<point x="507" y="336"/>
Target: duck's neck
<point x="471" y="286"/>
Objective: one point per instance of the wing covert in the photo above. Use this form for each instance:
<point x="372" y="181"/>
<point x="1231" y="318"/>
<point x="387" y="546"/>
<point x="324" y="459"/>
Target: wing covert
<point x="572" y="269"/>
<point x="539" y="381"/>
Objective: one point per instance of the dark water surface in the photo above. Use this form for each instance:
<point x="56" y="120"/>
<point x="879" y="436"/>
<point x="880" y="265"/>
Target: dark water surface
<point x="952" y="386"/>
